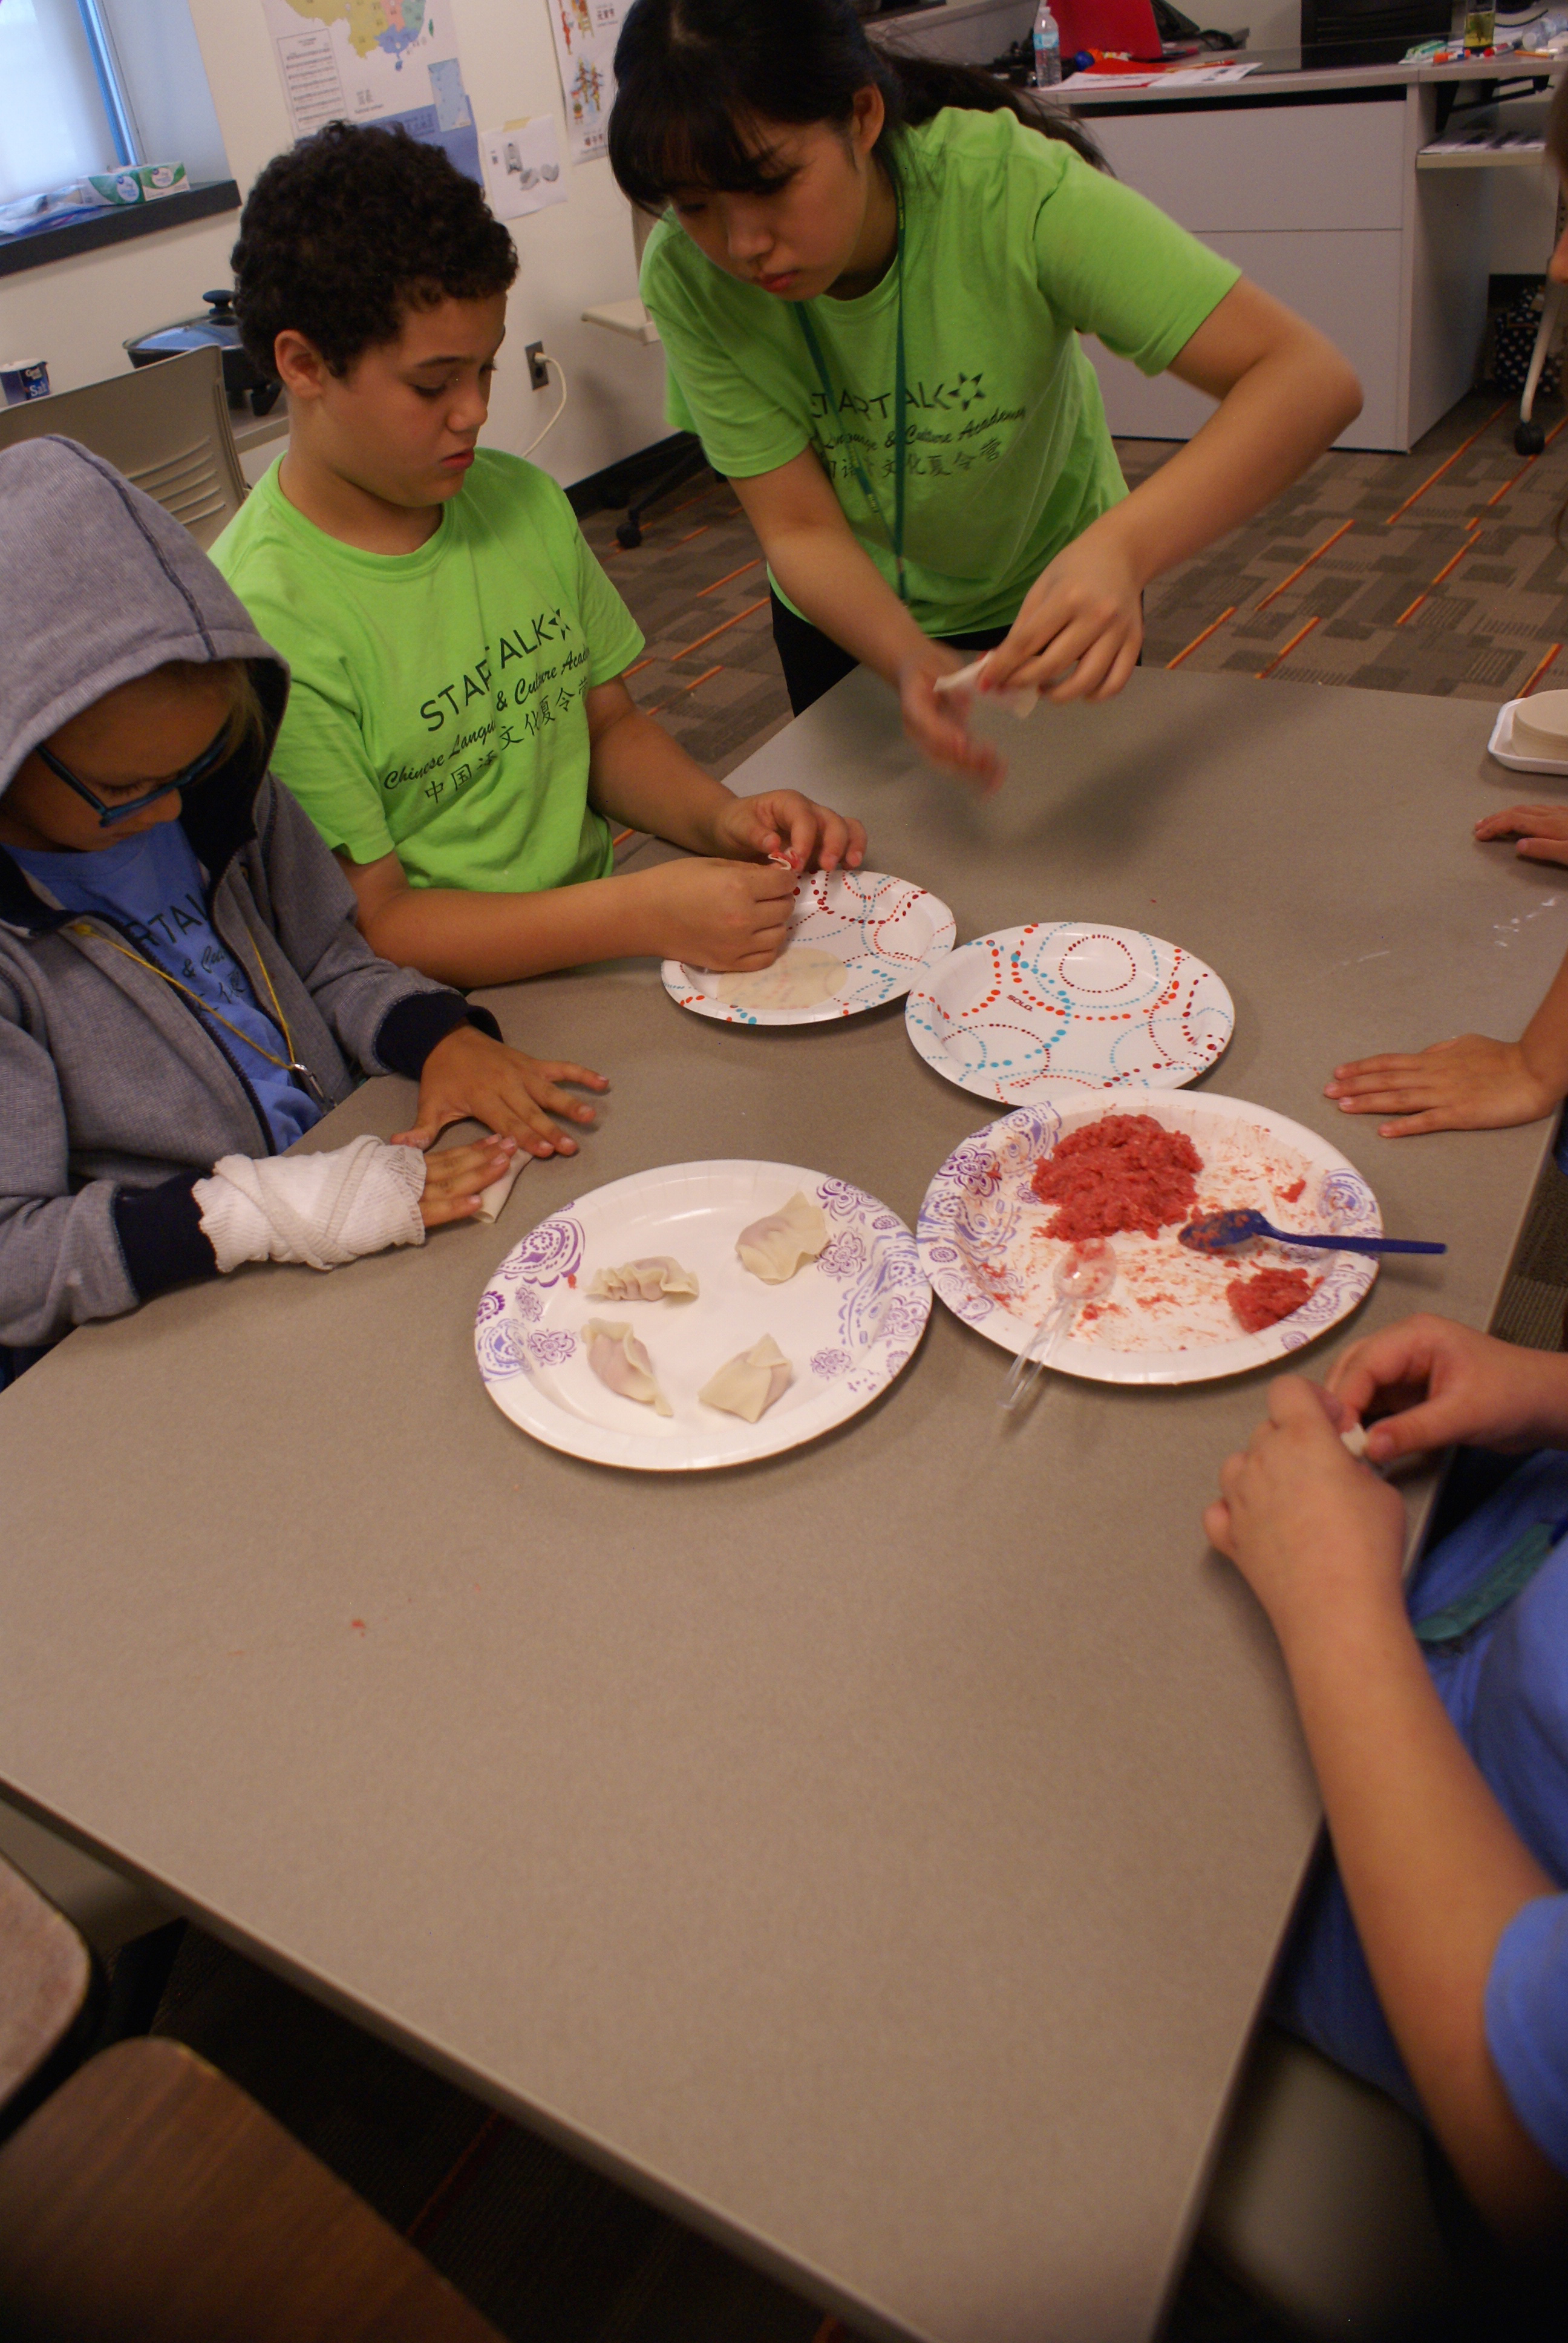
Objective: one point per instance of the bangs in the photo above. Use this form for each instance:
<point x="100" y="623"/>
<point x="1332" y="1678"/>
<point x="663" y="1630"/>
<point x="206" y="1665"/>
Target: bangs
<point x="681" y="125"/>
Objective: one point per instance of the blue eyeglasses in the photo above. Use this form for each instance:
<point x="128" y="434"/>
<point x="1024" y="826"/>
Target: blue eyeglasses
<point x="211" y="757"/>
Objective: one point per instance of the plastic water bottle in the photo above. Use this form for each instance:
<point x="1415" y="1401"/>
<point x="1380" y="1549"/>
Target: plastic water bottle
<point x="1046" y="48"/>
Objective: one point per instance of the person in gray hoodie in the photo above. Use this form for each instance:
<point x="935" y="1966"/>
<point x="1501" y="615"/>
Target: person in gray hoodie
<point x="183" y="989"/>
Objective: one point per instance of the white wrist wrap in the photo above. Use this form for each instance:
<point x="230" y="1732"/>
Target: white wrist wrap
<point x="322" y="1210"/>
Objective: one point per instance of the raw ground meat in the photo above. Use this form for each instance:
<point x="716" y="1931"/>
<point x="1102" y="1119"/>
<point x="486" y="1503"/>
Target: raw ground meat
<point x="1124" y="1173"/>
<point x="1269" y="1296"/>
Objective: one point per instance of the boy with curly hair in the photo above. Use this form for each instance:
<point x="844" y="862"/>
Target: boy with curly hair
<point x="459" y="730"/>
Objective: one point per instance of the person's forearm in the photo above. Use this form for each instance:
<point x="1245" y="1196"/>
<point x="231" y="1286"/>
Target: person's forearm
<point x="834" y="583"/>
<point x="1273" y="423"/>
<point x="1435" y="1872"/>
<point x="467" y="936"/>
<point x="640" y="777"/>
<point x="1545" y="1040"/>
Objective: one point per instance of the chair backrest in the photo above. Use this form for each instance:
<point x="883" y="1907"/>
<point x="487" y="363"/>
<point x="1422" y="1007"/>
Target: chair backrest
<point x="45" y="1980"/>
<point x="164" y="426"/>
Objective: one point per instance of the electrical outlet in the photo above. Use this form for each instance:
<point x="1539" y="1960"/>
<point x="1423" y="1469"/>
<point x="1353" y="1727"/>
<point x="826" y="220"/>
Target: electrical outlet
<point x="539" y="366"/>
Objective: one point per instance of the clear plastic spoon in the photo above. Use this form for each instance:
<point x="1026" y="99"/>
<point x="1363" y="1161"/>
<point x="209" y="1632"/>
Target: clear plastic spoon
<point x="1081" y="1276"/>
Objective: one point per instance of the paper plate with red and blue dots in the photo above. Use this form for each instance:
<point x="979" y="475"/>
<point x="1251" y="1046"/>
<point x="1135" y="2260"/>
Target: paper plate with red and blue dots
<point x="1061" y="1010"/>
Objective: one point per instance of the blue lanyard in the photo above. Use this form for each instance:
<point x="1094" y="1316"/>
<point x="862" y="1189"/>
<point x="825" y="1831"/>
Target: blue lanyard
<point x="894" y="536"/>
<point x="1508" y="1576"/>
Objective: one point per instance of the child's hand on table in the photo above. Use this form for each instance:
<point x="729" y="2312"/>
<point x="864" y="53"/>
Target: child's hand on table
<point x="1303" y="1523"/>
<point x="782" y="821"/>
<point x="1471" y="1084"/>
<point x="469" y="1076"/>
<point x="1436" y="1383"/>
<point x="456" y="1177"/>
<point x="1541" y="830"/>
<point x="718" y="915"/>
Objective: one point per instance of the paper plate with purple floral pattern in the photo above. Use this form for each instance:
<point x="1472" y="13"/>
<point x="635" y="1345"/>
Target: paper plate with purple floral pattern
<point x="848" y="1322"/>
<point x="1170" y="1317"/>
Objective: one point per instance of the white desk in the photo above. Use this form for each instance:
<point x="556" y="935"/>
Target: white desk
<point x="1311" y="183"/>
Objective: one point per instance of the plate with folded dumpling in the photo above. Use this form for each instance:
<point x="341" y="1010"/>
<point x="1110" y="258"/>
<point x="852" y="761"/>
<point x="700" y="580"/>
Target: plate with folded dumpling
<point x="856" y="939"/>
<point x="701" y="1314"/>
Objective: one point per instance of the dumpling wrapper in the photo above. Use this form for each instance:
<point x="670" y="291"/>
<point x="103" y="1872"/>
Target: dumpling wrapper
<point x="1019" y="703"/>
<point x="1356" y="1439"/>
<point x="801" y="975"/>
<point x="748" y="1384"/>
<point x="653" y="1279"/>
<point x="774" y="1247"/>
<point x="621" y="1362"/>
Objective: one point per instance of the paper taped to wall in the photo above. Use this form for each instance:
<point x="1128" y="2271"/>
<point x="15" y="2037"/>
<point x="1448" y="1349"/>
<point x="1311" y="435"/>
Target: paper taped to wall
<point x="522" y="166"/>
<point x="585" y="33"/>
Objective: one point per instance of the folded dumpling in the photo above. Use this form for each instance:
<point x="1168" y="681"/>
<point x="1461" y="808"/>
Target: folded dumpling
<point x="643" y="1280"/>
<point x="621" y="1361"/>
<point x="774" y="1247"/>
<point x="748" y="1385"/>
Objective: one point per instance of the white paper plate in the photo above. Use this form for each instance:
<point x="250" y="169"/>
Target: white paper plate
<point x="1501" y="746"/>
<point x="849" y="1322"/>
<point x="882" y="928"/>
<point x="978" y="1212"/>
<point x="1058" y="1008"/>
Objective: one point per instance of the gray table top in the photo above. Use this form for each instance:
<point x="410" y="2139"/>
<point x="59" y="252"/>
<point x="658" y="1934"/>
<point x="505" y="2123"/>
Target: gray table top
<point x="876" y="1855"/>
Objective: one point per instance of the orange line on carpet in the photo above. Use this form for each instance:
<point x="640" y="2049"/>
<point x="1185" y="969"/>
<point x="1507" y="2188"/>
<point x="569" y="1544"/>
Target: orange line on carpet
<point x="1468" y="547"/>
<point x="1519" y="475"/>
<point x="729" y="576"/>
<point x="1455" y="563"/>
<point x="639" y="668"/>
<point x="1432" y="478"/>
<point x="1299" y="633"/>
<point x="477" y="2153"/>
<point x="620" y="834"/>
<point x="687" y="502"/>
<point x="1307" y="563"/>
<point x="1538" y="672"/>
<point x="694" y="532"/>
<point x="684" y="689"/>
<point x="734" y="621"/>
<point x="1203" y="638"/>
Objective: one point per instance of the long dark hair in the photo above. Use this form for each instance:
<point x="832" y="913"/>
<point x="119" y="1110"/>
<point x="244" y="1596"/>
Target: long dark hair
<point x="693" y="78"/>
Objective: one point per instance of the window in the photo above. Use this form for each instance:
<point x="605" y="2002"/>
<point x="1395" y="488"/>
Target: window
<point x="86" y="84"/>
<point x="61" y="111"/>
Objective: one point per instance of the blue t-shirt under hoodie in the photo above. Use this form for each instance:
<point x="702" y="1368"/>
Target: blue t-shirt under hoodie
<point x="152" y="888"/>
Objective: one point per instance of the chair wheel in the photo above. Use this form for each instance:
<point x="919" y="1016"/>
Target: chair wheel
<point x="1528" y="438"/>
<point x="628" y="535"/>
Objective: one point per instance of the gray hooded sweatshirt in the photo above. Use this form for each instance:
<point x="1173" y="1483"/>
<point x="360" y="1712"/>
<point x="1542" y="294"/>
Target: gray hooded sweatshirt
<point x="115" y="1095"/>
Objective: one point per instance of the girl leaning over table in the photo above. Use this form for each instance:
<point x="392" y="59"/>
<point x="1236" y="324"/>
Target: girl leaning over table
<point x="869" y="283"/>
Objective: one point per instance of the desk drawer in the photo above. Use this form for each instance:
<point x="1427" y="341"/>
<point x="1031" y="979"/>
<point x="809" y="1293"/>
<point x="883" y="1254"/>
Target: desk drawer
<point x="1273" y="167"/>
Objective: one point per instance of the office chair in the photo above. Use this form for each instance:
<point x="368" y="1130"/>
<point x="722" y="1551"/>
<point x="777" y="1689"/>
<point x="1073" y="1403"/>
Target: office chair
<point x="164" y="426"/>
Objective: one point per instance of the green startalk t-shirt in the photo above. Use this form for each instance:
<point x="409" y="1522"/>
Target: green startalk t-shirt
<point x="437" y="703"/>
<point x="1012" y="248"/>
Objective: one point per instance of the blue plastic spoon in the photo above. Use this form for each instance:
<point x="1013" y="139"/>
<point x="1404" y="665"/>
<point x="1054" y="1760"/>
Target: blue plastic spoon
<point x="1218" y="1231"/>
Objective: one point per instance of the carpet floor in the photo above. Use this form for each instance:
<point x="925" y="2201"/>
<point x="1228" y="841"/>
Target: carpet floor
<point x="1435" y="572"/>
